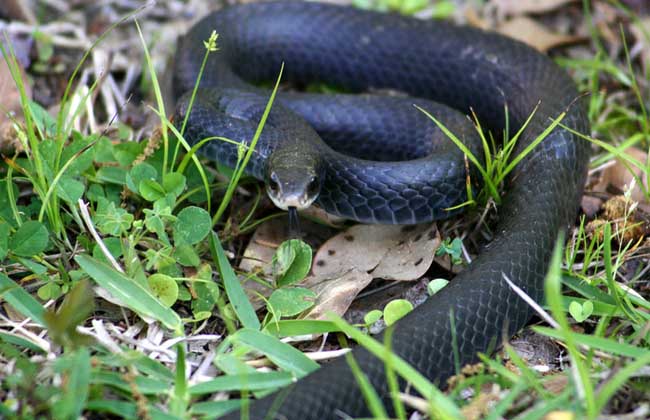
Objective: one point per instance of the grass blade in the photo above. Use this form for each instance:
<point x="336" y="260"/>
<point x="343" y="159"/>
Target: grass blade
<point x="236" y="295"/>
<point x="130" y="293"/>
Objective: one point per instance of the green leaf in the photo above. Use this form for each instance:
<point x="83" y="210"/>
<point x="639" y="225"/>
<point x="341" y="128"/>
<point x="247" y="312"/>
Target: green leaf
<point x="436" y="285"/>
<point x="76" y="307"/>
<point x="80" y="162"/>
<point x="396" y="309"/>
<point x="372" y="316"/>
<point x="20" y="300"/>
<point x="129" y="292"/>
<point x="205" y="290"/>
<point x="579" y="311"/>
<point x="75" y="387"/>
<point x="44" y="121"/>
<point x="69" y="189"/>
<point x="30" y="239"/>
<point x="144" y="384"/>
<point x="174" y="183"/>
<point x="236" y="295"/>
<point x="247" y="381"/>
<point x="151" y="190"/>
<point x="293" y="327"/>
<point x="283" y="355"/>
<point x="186" y="255"/>
<point x="292" y="262"/>
<point x="139" y="173"/>
<point x="5" y="229"/>
<point x="50" y="290"/>
<point x="19" y="341"/>
<point x="192" y="225"/>
<point x="112" y="175"/>
<point x="114" y="246"/>
<point x="291" y="301"/>
<point x="214" y="409"/>
<point x="112" y="220"/>
<point x="163" y="287"/>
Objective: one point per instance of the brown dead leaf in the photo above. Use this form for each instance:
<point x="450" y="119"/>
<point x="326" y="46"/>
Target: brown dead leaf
<point x="560" y="415"/>
<point x="390" y="250"/>
<point x="618" y="177"/>
<point x="557" y="384"/>
<point x="535" y="34"/>
<point x="346" y="263"/>
<point x="410" y="259"/>
<point x="522" y="7"/>
<point x="590" y="205"/>
<point x="335" y="294"/>
<point x="262" y="246"/>
<point x="360" y="247"/>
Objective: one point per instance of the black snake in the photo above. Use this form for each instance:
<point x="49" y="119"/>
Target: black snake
<point x="412" y="178"/>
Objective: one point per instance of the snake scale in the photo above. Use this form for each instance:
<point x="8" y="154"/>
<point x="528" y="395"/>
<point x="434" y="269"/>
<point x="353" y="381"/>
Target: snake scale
<point x="411" y="178"/>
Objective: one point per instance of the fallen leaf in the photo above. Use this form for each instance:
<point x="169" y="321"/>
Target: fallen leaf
<point x="409" y="259"/>
<point x="361" y="247"/>
<point x="521" y="7"/>
<point x="335" y="294"/>
<point x="560" y="415"/>
<point x="534" y="34"/>
<point x="590" y="205"/>
<point x="620" y="177"/>
<point x="346" y="263"/>
<point x="557" y="384"/>
<point x="258" y="255"/>
<point x="389" y="251"/>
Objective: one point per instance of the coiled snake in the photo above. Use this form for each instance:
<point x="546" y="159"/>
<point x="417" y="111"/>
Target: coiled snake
<point x="411" y="178"/>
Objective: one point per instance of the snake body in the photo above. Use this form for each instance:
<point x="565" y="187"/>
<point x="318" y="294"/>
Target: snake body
<point x="462" y="67"/>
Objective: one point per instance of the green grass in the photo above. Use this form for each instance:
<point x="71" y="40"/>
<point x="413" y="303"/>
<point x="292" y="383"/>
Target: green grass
<point x="64" y="227"/>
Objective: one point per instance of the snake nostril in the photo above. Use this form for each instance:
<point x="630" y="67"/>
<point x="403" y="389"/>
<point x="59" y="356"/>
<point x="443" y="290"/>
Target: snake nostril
<point x="274" y="184"/>
<point x="313" y="188"/>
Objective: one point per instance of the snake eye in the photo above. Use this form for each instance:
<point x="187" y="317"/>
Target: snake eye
<point x="274" y="184"/>
<point x="313" y="188"/>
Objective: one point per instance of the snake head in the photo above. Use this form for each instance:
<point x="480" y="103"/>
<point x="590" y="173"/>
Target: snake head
<point x="293" y="185"/>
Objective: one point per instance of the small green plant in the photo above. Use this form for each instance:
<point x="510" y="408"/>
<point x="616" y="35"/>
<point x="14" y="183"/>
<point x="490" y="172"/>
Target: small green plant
<point x="453" y="248"/>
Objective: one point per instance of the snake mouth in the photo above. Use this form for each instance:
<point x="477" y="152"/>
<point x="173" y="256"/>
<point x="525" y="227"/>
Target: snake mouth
<point x="299" y="203"/>
<point x="292" y="191"/>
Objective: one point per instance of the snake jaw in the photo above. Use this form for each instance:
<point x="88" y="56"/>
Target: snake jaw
<point x="292" y="194"/>
<point x="288" y="187"/>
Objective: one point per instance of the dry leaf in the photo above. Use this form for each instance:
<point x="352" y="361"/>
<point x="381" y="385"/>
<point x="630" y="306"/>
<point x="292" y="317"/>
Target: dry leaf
<point x="620" y="178"/>
<point x="410" y="259"/>
<point x="521" y="7"/>
<point x="590" y="205"/>
<point x="346" y="263"/>
<point x="560" y="415"/>
<point x="534" y="34"/>
<point x="557" y="384"/>
<point x="364" y="247"/>
<point x="261" y="248"/>
<point x="335" y="294"/>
